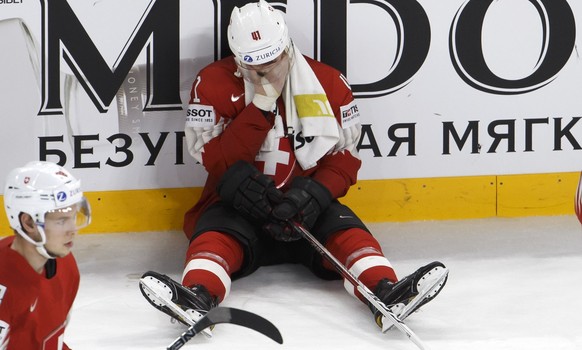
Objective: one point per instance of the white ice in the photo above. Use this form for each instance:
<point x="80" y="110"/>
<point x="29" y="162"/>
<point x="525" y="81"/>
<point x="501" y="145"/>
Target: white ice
<point x="513" y="284"/>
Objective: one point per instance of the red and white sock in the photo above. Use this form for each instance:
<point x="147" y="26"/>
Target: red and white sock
<point x="362" y="255"/>
<point x="211" y="259"/>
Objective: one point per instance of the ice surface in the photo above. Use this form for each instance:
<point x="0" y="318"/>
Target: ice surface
<point x="513" y="284"/>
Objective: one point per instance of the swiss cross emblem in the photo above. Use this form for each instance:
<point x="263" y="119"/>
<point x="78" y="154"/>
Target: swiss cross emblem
<point x="278" y="164"/>
<point x="256" y="35"/>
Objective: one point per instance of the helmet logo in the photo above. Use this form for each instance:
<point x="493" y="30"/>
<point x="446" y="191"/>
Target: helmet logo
<point x="247" y="58"/>
<point x="61" y="196"/>
<point x="256" y="35"/>
<point x="62" y="173"/>
<point x="26" y="179"/>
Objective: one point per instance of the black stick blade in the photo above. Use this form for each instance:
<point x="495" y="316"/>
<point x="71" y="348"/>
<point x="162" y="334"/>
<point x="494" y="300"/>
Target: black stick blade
<point x="239" y="317"/>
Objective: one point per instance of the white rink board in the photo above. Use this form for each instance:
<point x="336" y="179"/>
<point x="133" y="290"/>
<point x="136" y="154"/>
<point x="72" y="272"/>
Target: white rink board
<point x="530" y="129"/>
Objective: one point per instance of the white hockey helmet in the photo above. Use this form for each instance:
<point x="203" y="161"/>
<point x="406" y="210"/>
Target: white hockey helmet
<point x="39" y="188"/>
<point x="257" y="33"/>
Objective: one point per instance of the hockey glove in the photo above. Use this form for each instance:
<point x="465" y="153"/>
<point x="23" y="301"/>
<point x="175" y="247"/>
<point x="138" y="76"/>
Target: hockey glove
<point x="303" y="203"/>
<point x="249" y="191"/>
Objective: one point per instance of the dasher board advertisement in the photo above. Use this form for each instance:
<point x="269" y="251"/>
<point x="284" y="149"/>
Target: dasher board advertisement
<point x="443" y="88"/>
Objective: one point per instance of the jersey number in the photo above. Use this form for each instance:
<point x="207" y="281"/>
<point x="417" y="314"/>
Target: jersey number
<point x="55" y="340"/>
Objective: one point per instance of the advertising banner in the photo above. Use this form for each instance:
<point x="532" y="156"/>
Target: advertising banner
<point x="444" y="88"/>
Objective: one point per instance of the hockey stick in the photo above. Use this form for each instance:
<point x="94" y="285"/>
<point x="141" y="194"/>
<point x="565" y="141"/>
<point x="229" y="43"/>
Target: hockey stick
<point x="373" y="299"/>
<point x="232" y="316"/>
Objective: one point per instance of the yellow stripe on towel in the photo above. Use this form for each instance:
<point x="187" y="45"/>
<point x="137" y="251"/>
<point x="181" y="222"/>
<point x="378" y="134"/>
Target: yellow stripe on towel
<point x="312" y="105"/>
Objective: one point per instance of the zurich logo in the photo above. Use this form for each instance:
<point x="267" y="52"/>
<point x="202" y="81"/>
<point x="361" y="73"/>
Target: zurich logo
<point x="61" y="196"/>
<point x="248" y="58"/>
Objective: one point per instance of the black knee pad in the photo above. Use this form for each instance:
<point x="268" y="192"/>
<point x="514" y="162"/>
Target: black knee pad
<point x="223" y="218"/>
<point x="337" y="217"/>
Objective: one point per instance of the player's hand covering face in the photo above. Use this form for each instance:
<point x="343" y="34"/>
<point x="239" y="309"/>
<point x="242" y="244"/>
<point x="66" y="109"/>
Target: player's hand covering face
<point x="268" y="78"/>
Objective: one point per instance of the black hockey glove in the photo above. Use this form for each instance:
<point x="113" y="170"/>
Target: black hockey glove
<point x="303" y="203"/>
<point x="249" y="191"/>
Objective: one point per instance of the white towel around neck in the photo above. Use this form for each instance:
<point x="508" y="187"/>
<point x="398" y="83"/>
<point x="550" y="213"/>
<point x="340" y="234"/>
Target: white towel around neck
<point x="307" y="111"/>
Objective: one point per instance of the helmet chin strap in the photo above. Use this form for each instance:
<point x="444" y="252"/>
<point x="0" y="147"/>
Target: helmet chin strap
<point x="42" y="251"/>
<point x="40" y="246"/>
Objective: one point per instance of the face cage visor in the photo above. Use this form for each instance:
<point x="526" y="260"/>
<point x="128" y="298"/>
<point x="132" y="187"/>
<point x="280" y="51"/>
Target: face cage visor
<point x="71" y="218"/>
<point x="270" y="72"/>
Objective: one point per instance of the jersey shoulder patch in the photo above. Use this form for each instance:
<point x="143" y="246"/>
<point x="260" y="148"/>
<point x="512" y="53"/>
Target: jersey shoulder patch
<point x="4" y="330"/>
<point x="350" y="115"/>
<point x="200" y="116"/>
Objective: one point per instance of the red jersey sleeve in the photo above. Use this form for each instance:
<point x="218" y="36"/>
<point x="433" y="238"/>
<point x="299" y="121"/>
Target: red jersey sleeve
<point x="237" y="131"/>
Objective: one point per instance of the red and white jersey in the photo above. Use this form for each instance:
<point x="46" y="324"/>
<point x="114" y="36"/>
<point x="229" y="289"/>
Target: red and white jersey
<point x="228" y="130"/>
<point x="34" y="309"/>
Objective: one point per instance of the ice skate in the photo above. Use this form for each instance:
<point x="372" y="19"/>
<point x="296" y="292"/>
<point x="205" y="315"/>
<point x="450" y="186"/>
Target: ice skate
<point x="187" y="305"/>
<point x="410" y="293"/>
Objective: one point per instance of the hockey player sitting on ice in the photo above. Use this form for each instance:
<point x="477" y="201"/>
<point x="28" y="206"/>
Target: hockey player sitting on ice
<point x="39" y="277"/>
<point x="277" y="133"/>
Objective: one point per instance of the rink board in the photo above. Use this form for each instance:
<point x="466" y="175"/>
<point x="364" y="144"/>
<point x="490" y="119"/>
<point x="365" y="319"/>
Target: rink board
<point x="374" y="200"/>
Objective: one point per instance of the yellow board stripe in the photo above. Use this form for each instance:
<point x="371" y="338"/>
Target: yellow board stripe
<point x="373" y="200"/>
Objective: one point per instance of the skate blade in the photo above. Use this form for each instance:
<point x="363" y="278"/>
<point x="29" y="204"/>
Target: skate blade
<point x="160" y="294"/>
<point x="428" y="287"/>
